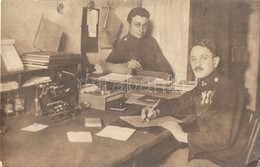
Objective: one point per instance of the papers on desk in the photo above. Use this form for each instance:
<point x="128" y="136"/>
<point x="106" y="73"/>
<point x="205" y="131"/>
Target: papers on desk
<point x="79" y="137"/>
<point x="138" y="122"/>
<point x="160" y="81"/>
<point x="115" y="132"/>
<point x="116" y="77"/>
<point x="35" y="127"/>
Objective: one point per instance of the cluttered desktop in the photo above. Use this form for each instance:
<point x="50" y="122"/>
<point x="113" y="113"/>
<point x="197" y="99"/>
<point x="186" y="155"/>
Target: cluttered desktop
<point x="88" y="126"/>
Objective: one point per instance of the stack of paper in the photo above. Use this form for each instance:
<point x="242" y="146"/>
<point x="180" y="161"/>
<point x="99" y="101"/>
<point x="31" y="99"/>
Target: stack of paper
<point x="79" y="136"/>
<point x="160" y="81"/>
<point x="5" y="86"/>
<point x="115" y="132"/>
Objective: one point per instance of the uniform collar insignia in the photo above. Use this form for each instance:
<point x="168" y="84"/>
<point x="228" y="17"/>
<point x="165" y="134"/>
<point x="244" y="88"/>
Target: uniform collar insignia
<point x="212" y="78"/>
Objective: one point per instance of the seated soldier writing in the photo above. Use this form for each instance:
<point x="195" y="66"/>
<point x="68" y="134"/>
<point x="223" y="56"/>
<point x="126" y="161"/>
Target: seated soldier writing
<point x="137" y="49"/>
<point x="216" y="106"/>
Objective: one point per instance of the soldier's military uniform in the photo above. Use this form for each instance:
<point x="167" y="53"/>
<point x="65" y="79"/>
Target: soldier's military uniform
<point x="145" y="50"/>
<point x="216" y="107"/>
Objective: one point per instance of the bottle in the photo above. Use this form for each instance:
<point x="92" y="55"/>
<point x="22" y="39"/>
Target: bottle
<point x="19" y="103"/>
<point x="36" y="110"/>
<point x="9" y="107"/>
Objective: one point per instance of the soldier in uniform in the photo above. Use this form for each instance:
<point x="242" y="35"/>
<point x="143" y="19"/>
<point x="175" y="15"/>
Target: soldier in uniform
<point x="215" y="108"/>
<point x="137" y="49"/>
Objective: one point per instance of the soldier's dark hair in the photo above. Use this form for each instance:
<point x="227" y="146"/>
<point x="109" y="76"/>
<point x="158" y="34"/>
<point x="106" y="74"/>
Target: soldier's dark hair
<point x="137" y="11"/>
<point x="209" y="44"/>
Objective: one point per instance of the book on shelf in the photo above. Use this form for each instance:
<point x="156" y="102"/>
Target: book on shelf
<point x="36" y="66"/>
<point x="48" y="55"/>
<point x="34" y="60"/>
<point x="93" y="122"/>
<point x="49" y="59"/>
<point x="36" y="63"/>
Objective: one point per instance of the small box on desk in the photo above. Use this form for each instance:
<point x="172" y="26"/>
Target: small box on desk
<point x="99" y="101"/>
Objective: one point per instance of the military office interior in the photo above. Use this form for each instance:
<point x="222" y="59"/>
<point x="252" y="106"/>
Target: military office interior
<point x="175" y="24"/>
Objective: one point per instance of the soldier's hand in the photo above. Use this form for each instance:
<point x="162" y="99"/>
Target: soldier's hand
<point x="133" y="64"/>
<point x="147" y="113"/>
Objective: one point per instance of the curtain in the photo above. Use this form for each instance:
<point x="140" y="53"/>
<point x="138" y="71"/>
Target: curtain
<point x="170" y="22"/>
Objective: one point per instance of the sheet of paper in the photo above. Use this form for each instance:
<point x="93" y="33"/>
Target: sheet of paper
<point x="48" y="36"/>
<point x="35" y="127"/>
<point x="115" y="132"/>
<point x="116" y="77"/>
<point x="92" y="21"/>
<point x="137" y="121"/>
<point x="11" y="58"/>
<point x="160" y="81"/>
<point x="79" y="137"/>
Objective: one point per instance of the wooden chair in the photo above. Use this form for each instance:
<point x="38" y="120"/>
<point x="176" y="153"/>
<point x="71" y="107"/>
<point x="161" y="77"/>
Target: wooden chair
<point x="253" y="147"/>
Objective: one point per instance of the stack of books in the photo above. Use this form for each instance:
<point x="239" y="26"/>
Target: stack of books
<point x="49" y="59"/>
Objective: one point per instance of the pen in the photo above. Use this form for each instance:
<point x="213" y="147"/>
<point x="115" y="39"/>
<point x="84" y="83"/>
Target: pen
<point x="146" y="119"/>
<point x="132" y="55"/>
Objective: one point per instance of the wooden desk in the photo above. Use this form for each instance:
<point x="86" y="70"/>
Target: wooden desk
<point x="140" y="83"/>
<point x="50" y="147"/>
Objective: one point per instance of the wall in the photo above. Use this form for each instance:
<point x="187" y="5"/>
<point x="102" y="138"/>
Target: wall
<point x="170" y="19"/>
<point x="21" y="18"/>
<point x="253" y="48"/>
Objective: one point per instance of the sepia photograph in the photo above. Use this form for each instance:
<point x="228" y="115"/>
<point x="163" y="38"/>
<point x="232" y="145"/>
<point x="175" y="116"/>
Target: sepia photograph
<point x="130" y="83"/>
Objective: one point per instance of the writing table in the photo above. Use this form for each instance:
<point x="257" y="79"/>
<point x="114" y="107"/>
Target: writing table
<point x="138" y="83"/>
<point x="50" y="147"/>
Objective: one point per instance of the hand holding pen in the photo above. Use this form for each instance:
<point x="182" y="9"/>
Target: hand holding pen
<point x="133" y="63"/>
<point x="148" y="113"/>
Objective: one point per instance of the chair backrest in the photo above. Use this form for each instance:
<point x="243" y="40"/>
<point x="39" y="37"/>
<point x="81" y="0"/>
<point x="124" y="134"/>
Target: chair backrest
<point x="253" y="147"/>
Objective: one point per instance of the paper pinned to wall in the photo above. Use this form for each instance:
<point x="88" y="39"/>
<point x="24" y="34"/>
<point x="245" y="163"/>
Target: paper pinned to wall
<point x="92" y="21"/>
<point x="138" y="122"/>
<point x="115" y="132"/>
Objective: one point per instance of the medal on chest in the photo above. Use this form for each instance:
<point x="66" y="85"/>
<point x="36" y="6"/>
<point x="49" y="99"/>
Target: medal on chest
<point x="207" y="97"/>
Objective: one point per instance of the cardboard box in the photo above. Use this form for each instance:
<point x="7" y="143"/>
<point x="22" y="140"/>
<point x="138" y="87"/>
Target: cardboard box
<point x="100" y="102"/>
